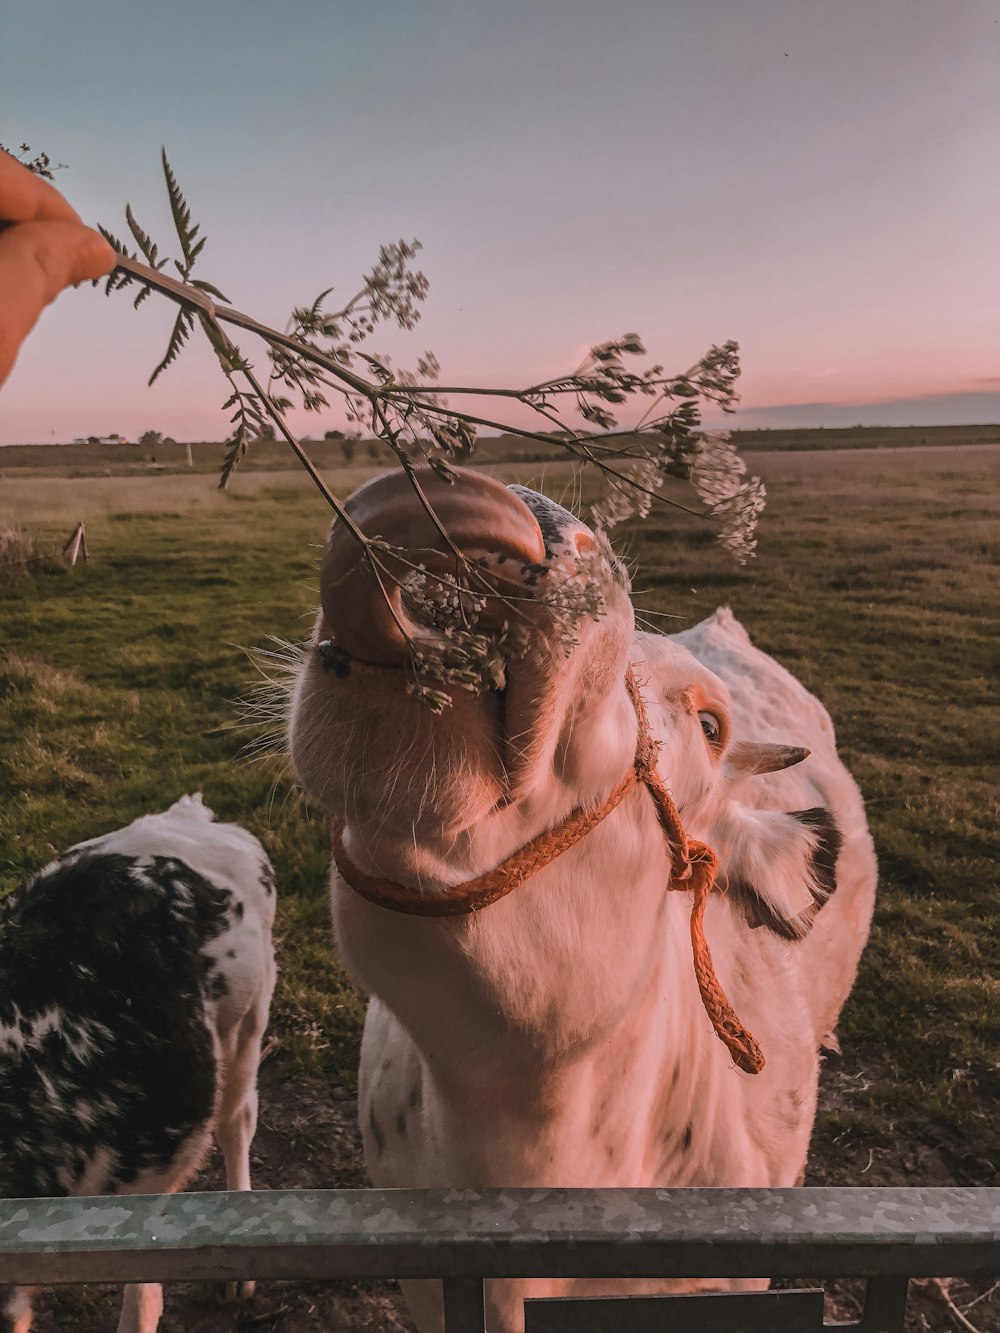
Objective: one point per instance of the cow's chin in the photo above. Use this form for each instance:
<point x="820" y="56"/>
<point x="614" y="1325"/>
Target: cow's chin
<point x="370" y="752"/>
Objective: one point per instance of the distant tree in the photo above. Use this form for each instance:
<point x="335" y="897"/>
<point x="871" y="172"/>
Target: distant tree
<point x="333" y="435"/>
<point x="93" y="439"/>
<point x="150" y="439"/>
<point x="265" y="431"/>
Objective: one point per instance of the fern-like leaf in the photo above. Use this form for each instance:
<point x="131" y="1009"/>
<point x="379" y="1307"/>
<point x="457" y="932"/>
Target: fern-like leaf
<point x="113" y="240"/>
<point x="142" y="239"/>
<point x="116" y="278"/>
<point x="235" y="451"/>
<point x="317" y="305"/>
<point x="179" y="336"/>
<point x="208" y="288"/>
<point x="181" y="214"/>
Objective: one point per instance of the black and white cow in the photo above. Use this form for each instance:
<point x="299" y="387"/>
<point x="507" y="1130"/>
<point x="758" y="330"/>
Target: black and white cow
<point x="135" y="977"/>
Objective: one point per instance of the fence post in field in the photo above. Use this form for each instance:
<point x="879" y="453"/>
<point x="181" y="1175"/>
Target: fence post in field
<point x="77" y="540"/>
<point x="187" y="447"/>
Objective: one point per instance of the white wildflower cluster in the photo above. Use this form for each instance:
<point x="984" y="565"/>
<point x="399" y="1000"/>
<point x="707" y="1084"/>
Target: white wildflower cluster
<point x="439" y="601"/>
<point x="466" y="654"/>
<point x="630" y="494"/>
<point x="462" y="656"/>
<point x="392" y="289"/>
<point x="413" y="419"/>
<point x="566" y="596"/>
<point x="463" y="660"/>
<point x="718" y="474"/>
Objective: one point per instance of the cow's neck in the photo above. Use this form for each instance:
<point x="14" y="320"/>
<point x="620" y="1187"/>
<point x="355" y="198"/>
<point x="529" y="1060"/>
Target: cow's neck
<point x="536" y="979"/>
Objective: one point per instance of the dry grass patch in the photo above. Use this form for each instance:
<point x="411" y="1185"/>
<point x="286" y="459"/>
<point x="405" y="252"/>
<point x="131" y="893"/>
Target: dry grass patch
<point x="20" y="555"/>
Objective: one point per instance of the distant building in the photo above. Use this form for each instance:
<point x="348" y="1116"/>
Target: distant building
<point x="100" y="439"/>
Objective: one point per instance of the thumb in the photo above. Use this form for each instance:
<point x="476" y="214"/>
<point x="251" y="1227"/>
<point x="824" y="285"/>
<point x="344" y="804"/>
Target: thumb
<point x="37" y="260"/>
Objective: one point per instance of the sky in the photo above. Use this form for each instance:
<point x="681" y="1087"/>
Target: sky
<point x="818" y="179"/>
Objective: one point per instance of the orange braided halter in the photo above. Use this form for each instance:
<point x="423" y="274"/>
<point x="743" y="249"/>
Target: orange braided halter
<point x="692" y="866"/>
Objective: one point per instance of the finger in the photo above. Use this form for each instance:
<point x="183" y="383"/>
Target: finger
<point x="25" y="197"/>
<point x="37" y="260"/>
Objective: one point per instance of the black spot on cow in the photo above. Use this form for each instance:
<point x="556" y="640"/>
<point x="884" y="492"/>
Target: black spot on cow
<point x="267" y="879"/>
<point x="334" y="659"/>
<point x="217" y="987"/>
<point x="552" y="519"/>
<point x="759" y="912"/>
<point x="829" y="841"/>
<point x="101" y="973"/>
<point x="416" y="1093"/>
<point x="378" y="1134"/>
<point x="686" y="1141"/>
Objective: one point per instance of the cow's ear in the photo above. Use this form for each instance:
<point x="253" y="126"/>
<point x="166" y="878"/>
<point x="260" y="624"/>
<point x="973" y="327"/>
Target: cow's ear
<point x="749" y="757"/>
<point x="778" y="867"/>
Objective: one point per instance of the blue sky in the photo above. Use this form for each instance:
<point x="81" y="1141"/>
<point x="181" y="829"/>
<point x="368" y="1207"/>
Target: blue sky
<point x="818" y="180"/>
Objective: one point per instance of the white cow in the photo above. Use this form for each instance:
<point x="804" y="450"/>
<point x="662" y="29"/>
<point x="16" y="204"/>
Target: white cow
<point x="557" y="1037"/>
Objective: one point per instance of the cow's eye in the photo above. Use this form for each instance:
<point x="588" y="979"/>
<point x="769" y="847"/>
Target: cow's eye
<point x="711" y="726"/>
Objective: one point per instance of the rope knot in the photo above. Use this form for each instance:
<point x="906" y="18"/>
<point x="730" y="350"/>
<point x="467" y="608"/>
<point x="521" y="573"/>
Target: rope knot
<point x="703" y="866"/>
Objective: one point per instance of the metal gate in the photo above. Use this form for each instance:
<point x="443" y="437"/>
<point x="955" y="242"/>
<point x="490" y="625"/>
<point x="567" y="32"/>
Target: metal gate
<point x="464" y="1236"/>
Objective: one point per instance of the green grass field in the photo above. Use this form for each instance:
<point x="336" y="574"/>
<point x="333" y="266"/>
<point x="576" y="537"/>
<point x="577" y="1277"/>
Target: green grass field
<point x="118" y="683"/>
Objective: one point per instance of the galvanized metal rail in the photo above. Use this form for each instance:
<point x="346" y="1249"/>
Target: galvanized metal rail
<point x="464" y="1236"/>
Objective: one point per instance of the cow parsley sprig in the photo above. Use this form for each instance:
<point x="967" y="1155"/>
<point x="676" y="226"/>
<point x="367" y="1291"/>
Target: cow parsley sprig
<point x="412" y="412"/>
<point x="464" y="653"/>
<point x="719" y="475"/>
<point x="320" y="352"/>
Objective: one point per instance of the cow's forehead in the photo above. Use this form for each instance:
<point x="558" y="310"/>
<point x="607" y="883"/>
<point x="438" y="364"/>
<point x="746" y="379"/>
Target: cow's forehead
<point x="556" y="523"/>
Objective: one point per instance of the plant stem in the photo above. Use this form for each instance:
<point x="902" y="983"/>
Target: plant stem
<point x="192" y="297"/>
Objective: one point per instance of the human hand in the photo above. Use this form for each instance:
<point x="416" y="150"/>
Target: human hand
<point x="44" y="247"/>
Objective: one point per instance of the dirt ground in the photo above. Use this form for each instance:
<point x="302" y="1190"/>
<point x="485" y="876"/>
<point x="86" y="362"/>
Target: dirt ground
<point x="308" y="1137"/>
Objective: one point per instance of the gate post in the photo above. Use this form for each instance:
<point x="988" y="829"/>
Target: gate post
<point x="463" y="1305"/>
<point x="885" y="1305"/>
